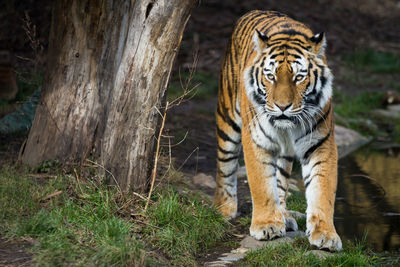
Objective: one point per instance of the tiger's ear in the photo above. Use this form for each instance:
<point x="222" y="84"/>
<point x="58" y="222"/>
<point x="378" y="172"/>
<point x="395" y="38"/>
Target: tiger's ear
<point x="260" y="40"/>
<point x="319" y="44"/>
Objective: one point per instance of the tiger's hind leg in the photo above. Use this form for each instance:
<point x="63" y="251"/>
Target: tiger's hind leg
<point x="283" y="170"/>
<point x="228" y="140"/>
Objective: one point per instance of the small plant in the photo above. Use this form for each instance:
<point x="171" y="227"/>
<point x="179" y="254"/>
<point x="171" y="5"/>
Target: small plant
<point x="46" y="166"/>
<point x="297" y="202"/>
<point x="183" y="225"/>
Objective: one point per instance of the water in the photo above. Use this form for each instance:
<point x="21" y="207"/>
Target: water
<point x="368" y="197"/>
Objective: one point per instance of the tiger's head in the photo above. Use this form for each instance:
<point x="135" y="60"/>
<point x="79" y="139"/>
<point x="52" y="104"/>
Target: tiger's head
<point x="289" y="80"/>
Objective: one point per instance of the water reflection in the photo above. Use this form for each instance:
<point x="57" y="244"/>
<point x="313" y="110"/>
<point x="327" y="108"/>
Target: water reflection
<point x="368" y="197"/>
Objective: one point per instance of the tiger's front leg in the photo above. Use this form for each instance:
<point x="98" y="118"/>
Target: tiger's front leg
<point x="268" y="220"/>
<point x="319" y="167"/>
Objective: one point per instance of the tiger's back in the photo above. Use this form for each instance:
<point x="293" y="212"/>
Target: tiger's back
<point x="275" y="100"/>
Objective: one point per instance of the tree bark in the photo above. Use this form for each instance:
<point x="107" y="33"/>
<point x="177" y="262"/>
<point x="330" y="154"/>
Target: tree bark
<point x="107" y="72"/>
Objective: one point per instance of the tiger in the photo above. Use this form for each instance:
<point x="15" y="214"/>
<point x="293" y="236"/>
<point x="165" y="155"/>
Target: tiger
<point x="275" y="105"/>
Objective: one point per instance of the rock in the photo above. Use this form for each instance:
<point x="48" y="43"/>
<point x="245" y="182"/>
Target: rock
<point x="292" y="181"/>
<point x="204" y="180"/>
<point x="348" y="140"/>
<point x="252" y="244"/>
<point x="217" y="263"/>
<point x="322" y="254"/>
<point x="386" y="114"/>
<point x="232" y="257"/>
<point x="395" y="108"/>
<point x="241" y="172"/>
<point x="296" y="214"/>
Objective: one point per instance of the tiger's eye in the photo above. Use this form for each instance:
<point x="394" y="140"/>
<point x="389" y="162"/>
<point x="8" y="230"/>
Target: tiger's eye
<point x="299" y="77"/>
<point x="270" y="77"/>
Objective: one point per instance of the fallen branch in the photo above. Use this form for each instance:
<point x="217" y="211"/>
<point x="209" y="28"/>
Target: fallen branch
<point x="51" y="195"/>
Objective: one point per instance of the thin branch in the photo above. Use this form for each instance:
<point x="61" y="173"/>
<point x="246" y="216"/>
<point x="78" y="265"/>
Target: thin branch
<point x="157" y="156"/>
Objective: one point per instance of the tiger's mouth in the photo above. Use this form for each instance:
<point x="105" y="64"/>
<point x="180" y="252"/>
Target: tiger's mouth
<point x="282" y="121"/>
<point x="282" y="117"/>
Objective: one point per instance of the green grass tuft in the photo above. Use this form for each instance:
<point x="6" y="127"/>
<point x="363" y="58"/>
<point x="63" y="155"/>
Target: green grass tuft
<point x="296" y="202"/>
<point x="297" y="254"/>
<point x="183" y="225"/>
<point x="356" y="106"/>
<point x="374" y="61"/>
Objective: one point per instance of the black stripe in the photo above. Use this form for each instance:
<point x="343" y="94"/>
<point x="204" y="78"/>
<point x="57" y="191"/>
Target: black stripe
<point x="307" y="184"/>
<point x="290" y="32"/>
<point x="274" y="56"/>
<point x="225" y="137"/>
<point x="260" y="100"/>
<point x="227" y="159"/>
<point x="282" y="188"/>
<point x="265" y="134"/>
<point x="229" y="194"/>
<point x="231" y="79"/>
<point x="270" y="25"/>
<point x="256" y="74"/>
<point x="317" y="163"/>
<point x="317" y="145"/>
<point x="283" y="172"/>
<point x="293" y="48"/>
<point x="287" y="158"/>
<point x="306" y="177"/>
<point x="225" y="151"/>
<point x="287" y="39"/>
<point x="229" y="174"/>
<point x="226" y="118"/>
<point x="233" y="124"/>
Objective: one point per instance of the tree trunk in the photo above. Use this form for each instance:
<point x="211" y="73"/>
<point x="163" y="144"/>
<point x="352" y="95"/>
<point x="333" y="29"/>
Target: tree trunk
<point x="107" y="71"/>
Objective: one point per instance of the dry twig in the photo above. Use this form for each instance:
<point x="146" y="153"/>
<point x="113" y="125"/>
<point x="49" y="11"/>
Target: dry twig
<point x="157" y="156"/>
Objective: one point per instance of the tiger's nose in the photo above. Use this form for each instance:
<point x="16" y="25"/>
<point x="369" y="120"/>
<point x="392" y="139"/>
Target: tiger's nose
<point x="283" y="107"/>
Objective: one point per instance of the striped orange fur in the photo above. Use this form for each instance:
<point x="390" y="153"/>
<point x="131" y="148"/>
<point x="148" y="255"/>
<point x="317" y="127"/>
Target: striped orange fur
<point x="274" y="100"/>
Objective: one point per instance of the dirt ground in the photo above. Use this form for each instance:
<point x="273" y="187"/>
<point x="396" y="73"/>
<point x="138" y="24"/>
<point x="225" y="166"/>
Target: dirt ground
<point x="349" y="25"/>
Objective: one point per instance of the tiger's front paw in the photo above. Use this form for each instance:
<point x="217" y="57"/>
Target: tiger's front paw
<point x="267" y="231"/>
<point x="325" y="240"/>
<point x="226" y="206"/>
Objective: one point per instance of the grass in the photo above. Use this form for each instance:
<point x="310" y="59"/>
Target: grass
<point x="297" y="202"/>
<point x="355" y="112"/>
<point x="374" y="61"/>
<point x="184" y="225"/>
<point x="297" y="254"/>
<point x="87" y="223"/>
<point x="78" y="227"/>
<point x="356" y="106"/>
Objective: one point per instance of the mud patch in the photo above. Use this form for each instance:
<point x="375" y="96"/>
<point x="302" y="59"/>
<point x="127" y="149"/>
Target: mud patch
<point x="15" y="253"/>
